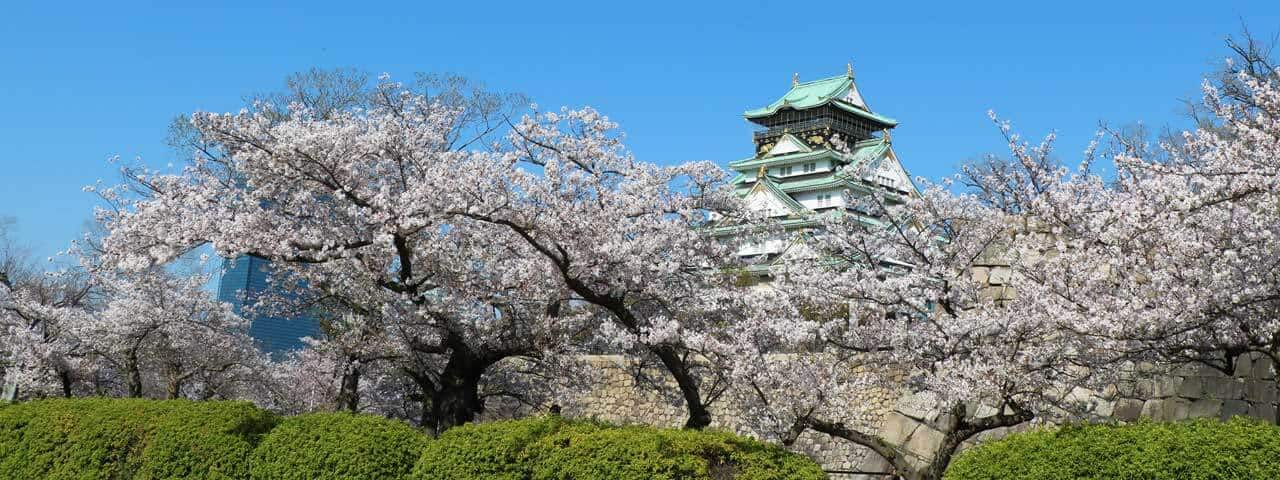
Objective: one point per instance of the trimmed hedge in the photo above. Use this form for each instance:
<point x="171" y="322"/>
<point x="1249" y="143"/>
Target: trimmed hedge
<point x="1201" y="449"/>
<point x="323" y="446"/>
<point x="551" y="448"/>
<point x="129" y="438"/>
<point x="123" y="439"/>
<point x="491" y="451"/>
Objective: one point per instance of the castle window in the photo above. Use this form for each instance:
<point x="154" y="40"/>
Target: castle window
<point x="810" y="167"/>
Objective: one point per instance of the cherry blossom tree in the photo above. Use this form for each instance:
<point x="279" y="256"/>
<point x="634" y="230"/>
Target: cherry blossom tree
<point x="1182" y="249"/>
<point x="168" y="327"/>
<point x="38" y="352"/>
<point x="625" y="238"/>
<point x="888" y="298"/>
<point x="356" y="204"/>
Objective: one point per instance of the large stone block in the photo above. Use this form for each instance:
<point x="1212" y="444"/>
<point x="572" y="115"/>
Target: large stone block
<point x="1104" y="408"/>
<point x="1153" y="408"/>
<point x="1166" y="386"/>
<point x="1191" y="387"/>
<point x="980" y="274"/>
<point x="1128" y="409"/>
<point x="1109" y="392"/>
<point x="872" y="463"/>
<point x="1262" y="368"/>
<point x="1126" y="388"/>
<point x="1223" y="388"/>
<point x="1264" y="411"/>
<point x="999" y="275"/>
<point x="1244" y="365"/>
<point x="898" y="428"/>
<point x="1261" y="391"/>
<point x="915" y="407"/>
<point x="1197" y="370"/>
<point x="1234" y="408"/>
<point x="1176" y="409"/>
<point x="1205" y="408"/>
<point x="924" y="442"/>
<point x="1144" y="388"/>
<point x="1166" y="409"/>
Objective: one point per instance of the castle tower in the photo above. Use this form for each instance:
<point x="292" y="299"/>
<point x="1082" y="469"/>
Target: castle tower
<point x="810" y="151"/>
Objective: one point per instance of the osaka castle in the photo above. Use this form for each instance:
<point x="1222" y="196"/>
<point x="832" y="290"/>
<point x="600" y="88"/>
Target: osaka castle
<point x="816" y="143"/>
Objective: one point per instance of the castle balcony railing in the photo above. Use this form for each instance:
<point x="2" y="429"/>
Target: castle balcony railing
<point x="845" y="128"/>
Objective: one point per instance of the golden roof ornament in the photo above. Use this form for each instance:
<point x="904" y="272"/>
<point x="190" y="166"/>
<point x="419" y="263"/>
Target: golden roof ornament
<point x="760" y="174"/>
<point x="887" y="137"/>
<point x="795" y="79"/>
<point x="848" y="70"/>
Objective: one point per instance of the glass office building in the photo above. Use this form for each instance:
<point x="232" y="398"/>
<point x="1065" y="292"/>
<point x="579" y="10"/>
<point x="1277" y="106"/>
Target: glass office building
<point x="243" y="280"/>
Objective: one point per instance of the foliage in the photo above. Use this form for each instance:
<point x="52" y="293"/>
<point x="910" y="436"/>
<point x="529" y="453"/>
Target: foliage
<point x="493" y="451"/>
<point x="551" y="448"/>
<point x="321" y="446"/>
<point x="129" y="438"/>
<point x="1203" y="449"/>
<point x="442" y="260"/>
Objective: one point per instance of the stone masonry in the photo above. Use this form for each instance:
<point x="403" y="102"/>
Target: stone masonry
<point x="1187" y="392"/>
<point x="1190" y="391"/>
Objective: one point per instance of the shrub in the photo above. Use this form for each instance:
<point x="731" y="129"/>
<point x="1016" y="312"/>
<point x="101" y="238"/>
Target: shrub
<point x="1201" y="449"/>
<point x="338" y="446"/>
<point x="491" y="451"/>
<point x="128" y="438"/>
<point x="551" y="448"/>
<point x="215" y="440"/>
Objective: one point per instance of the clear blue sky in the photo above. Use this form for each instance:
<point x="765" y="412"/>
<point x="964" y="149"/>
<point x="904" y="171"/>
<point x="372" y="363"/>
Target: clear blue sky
<point x="83" y="82"/>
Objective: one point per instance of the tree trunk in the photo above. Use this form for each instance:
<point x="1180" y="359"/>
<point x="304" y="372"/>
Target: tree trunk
<point x="942" y="457"/>
<point x="173" y="381"/>
<point x="64" y="378"/>
<point x="699" y="417"/>
<point x="455" y="403"/>
<point x="1275" y="383"/>
<point x="349" y="389"/>
<point x="173" y="389"/>
<point x="961" y="428"/>
<point x="964" y="428"/>
<point x="456" y="397"/>
<point x="134" y="375"/>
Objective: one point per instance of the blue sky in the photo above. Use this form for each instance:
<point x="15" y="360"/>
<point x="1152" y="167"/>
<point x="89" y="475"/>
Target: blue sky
<point x="84" y="82"/>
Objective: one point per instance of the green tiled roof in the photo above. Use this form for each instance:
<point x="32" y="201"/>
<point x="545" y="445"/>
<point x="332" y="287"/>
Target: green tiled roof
<point x="836" y="179"/>
<point x="751" y="163"/>
<point x="868" y="151"/>
<point x="863" y="151"/>
<point x="803" y="96"/>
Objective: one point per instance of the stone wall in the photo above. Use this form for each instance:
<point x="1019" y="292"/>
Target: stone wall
<point x="615" y="398"/>
<point x="1188" y="392"/>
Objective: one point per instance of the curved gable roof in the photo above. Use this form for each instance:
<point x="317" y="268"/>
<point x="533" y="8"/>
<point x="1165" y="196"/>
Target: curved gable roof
<point x="839" y="91"/>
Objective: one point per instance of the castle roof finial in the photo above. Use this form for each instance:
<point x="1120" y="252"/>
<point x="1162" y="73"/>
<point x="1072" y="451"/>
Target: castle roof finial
<point x="795" y="79"/>
<point x="848" y="70"/>
<point x="760" y="174"/>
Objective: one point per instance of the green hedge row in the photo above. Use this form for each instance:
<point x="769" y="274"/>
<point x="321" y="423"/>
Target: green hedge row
<point x="145" y="439"/>
<point x="551" y="448"/>
<point x="118" y="439"/>
<point x="1201" y="449"/>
